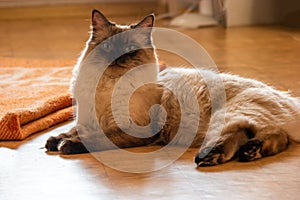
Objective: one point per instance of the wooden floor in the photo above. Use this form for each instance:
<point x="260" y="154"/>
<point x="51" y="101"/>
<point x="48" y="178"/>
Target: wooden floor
<point x="270" y="54"/>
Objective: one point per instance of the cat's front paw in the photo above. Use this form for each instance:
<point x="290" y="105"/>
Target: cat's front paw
<point x="52" y="143"/>
<point x="250" y="151"/>
<point x="210" y="156"/>
<point x="72" y="147"/>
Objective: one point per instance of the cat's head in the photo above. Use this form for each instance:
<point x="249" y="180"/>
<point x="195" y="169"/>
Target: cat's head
<point x="125" y="46"/>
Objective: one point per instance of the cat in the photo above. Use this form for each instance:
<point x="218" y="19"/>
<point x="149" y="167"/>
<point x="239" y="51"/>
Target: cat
<point x="259" y="120"/>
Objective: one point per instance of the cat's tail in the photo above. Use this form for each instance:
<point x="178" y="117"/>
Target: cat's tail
<point x="298" y="104"/>
<point x="293" y="127"/>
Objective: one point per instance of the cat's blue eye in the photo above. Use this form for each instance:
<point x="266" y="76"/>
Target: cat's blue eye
<point x="130" y="48"/>
<point x="106" y="46"/>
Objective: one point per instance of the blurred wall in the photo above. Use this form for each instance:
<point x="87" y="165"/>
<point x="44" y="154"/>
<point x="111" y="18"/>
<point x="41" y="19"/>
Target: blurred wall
<point x="249" y="12"/>
<point x="253" y="12"/>
<point x="22" y="3"/>
<point x="41" y="9"/>
<point x="290" y="12"/>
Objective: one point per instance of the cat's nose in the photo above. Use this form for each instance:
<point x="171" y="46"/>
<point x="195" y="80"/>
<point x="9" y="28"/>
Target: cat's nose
<point x="121" y="59"/>
<point x="112" y="57"/>
<point x="113" y="63"/>
<point x="116" y="53"/>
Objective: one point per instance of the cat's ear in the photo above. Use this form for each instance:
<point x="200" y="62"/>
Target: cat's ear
<point x="99" y="20"/>
<point x="147" y="22"/>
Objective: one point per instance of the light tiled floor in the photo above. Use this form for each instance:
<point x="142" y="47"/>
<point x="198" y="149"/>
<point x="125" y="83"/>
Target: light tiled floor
<point x="270" y="54"/>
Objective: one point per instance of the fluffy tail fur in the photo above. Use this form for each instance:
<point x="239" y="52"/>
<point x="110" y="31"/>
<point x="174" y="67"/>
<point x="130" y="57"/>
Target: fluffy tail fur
<point x="293" y="127"/>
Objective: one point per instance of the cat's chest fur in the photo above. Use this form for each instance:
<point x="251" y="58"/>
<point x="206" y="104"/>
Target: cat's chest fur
<point x="117" y="97"/>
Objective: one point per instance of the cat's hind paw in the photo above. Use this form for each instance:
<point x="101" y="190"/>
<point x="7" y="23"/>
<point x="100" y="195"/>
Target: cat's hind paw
<point x="250" y="151"/>
<point x="210" y="156"/>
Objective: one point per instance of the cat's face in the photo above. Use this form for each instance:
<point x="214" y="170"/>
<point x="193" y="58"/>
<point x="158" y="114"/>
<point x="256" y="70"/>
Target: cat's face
<point x="123" y="46"/>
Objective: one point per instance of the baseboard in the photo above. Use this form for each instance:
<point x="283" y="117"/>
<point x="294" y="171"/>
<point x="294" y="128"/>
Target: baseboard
<point x="78" y="10"/>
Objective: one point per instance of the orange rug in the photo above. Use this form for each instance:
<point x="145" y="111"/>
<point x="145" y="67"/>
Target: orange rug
<point x="34" y="95"/>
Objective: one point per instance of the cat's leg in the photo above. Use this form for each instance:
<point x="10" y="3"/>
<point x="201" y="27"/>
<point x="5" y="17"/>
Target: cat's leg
<point x="268" y="141"/>
<point x="248" y="143"/>
<point x="223" y="148"/>
<point x="66" y="143"/>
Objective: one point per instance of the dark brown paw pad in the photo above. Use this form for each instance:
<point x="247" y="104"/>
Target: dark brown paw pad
<point x="72" y="147"/>
<point x="210" y="156"/>
<point x="250" y="151"/>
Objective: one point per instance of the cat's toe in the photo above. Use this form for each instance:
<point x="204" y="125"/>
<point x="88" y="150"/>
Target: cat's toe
<point x="250" y="151"/>
<point x="210" y="156"/>
<point x="72" y="147"/>
<point x="52" y="143"/>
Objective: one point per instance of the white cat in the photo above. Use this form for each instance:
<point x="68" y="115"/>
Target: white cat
<point x="255" y="121"/>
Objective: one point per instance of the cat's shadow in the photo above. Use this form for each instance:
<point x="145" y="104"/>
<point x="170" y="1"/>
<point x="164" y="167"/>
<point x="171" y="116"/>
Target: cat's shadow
<point x="186" y="160"/>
